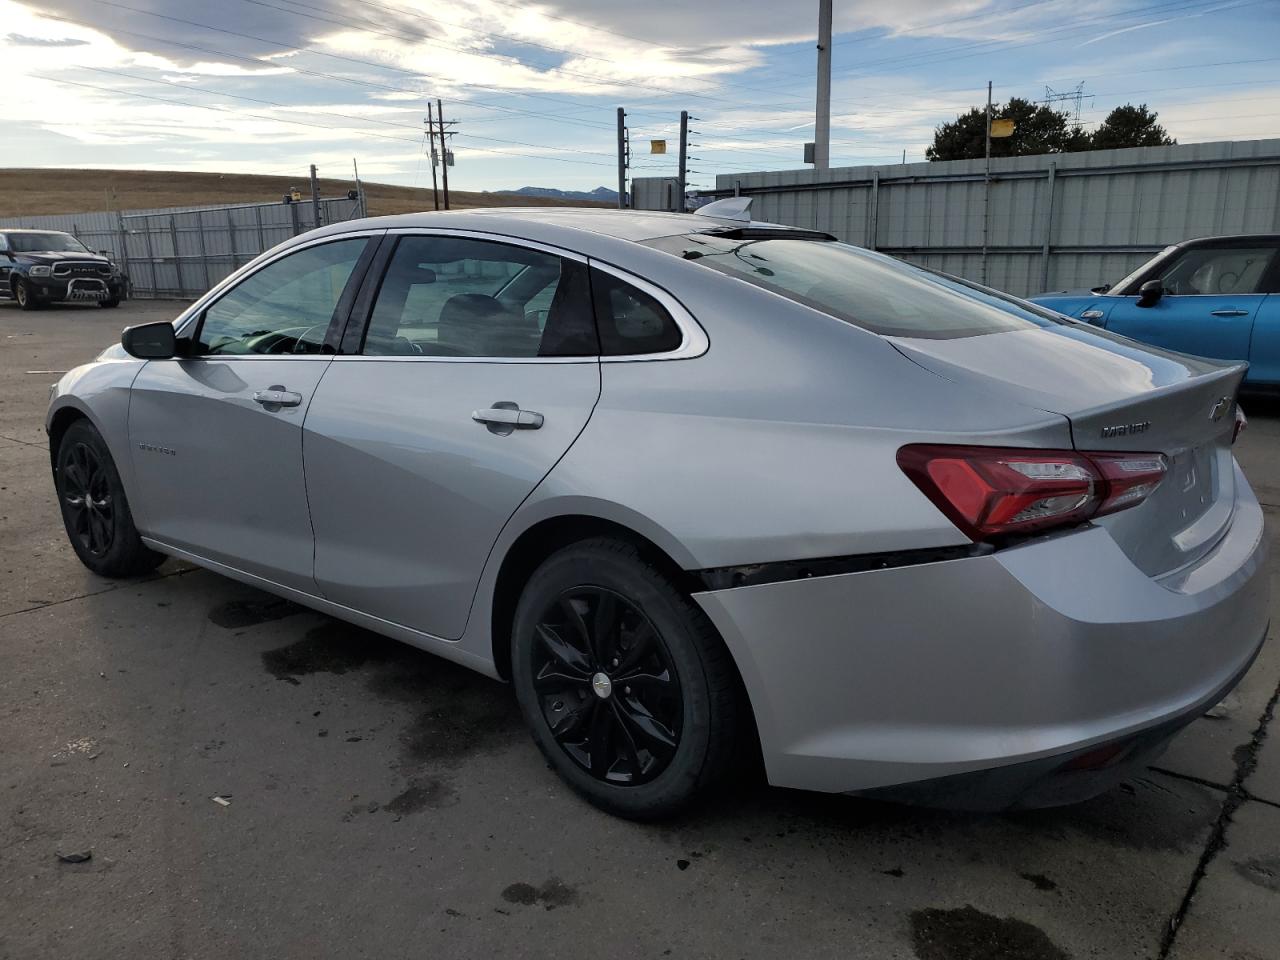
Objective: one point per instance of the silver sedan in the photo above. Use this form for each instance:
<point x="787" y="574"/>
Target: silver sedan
<point x="708" y="492"/>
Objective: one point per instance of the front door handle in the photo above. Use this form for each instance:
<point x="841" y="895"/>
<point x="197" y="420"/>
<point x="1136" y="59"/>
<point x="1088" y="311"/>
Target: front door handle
<point x="276" y="397"/>
<point x="504" y="417"/>
<point x="1228" y="313"/>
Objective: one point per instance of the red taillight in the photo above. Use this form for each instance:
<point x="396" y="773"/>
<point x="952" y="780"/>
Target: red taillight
<point x="992" y="492"/>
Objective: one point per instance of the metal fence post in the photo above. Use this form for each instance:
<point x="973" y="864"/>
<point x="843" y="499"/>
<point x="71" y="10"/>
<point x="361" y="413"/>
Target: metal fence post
<point x="293" y="215"/>
<point x="204" y="251"/>
<point x="123" y="241"/>
<point x="1048" y="228"/>
<point x="262" y="237"/>
<point x="875" y="210"/>
<point x="151" y="257"/>
<point x="177" y="258"/>
<point x="231" y="240"/>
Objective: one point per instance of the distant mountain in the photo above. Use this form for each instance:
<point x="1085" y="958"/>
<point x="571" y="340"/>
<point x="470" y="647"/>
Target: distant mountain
<point x="601" y="194"/>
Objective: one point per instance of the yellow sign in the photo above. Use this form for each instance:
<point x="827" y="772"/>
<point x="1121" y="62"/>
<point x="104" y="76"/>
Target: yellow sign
<point x="1002" y="128"/>
<point x="657" y="146"/>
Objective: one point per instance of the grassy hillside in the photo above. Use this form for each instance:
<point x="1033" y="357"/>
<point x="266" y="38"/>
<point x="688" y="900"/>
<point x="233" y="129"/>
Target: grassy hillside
<point x="32" y="192"/>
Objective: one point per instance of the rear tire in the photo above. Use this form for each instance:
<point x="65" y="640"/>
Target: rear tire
<point x="626" y="687"/>
<point x="95" y="510"/>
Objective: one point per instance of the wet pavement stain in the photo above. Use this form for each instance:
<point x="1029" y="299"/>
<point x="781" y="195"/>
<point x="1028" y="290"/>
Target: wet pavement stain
<point x="970" y="934"/>
<point x="1262" y="871"/>
<point x="1147" y="816"/>
<point x="235" y="614"/>
<point x="1039" y="881"/>
<point x="554" y="893"/>
<point x="425" y="794"/>
<point x="329" y="648"/>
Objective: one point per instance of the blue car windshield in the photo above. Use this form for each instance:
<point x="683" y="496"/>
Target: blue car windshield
<point x="869" y="290"/>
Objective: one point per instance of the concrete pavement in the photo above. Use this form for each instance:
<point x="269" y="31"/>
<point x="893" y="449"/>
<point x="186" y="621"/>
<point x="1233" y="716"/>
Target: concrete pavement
<point x="383" y="803"/>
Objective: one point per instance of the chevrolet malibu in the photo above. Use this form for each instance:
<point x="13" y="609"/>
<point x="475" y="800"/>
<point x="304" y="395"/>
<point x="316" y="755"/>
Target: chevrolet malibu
<point x="706" y="491"/>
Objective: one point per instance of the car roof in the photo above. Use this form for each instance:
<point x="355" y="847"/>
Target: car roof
<point x="1233" y="239"/>
<point x="31" y="230"/>
<point x="613" y="236"/>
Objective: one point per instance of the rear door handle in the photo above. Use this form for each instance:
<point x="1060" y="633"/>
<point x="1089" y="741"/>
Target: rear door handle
<point x="1228" y="313"/>
<point x="277" y="397"/>
<point x="505" y="416"/>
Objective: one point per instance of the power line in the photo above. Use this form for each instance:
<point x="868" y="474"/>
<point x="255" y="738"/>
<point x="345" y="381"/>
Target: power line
<point x="300" y="123"/>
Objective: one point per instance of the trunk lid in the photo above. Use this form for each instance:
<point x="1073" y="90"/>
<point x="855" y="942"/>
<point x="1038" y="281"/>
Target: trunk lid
<point x="1118" y="396"/>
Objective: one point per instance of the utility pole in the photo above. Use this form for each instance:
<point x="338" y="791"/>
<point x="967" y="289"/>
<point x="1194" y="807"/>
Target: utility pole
<point x="822" y="119"/>
<point x="622" y="159"/>
<point x="315" y="196"/>
<point x="444" y="152"/>
<point x="684" y="155"/>
<point x="431" y="128"/>
<point x="986" y="191"/>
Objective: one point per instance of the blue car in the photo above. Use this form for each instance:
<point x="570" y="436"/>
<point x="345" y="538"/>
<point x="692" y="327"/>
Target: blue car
<point x="1215" y="297"/>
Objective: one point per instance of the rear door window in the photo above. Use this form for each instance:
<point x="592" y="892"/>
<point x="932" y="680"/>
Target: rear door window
<point x="445" y="296"/>
<point x="869" y="290"/>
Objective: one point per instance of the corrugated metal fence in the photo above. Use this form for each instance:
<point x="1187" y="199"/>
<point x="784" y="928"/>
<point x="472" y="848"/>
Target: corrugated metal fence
<point x="180" y="252"/>
<point x="1048" y="222"/>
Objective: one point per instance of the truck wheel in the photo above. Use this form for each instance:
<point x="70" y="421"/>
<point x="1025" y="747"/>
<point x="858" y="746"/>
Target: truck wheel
<point x="23" y="293"/>
<point x="113" y="302"/>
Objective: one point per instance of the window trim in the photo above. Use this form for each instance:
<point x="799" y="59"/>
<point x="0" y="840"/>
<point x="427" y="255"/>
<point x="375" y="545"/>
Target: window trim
<point x="693" y="339"/>
<point x="188" y="322"/>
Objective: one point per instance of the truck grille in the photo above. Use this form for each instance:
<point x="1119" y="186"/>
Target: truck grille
<point x="77" y="269"/>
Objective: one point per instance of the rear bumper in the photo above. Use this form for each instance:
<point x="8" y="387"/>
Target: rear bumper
<point x="1021" y="658"/>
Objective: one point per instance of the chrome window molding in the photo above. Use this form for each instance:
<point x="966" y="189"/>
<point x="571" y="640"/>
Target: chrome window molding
<point x="192" y="313"/>
<point x="693" y="339"/>
<point x="484" y="235"/>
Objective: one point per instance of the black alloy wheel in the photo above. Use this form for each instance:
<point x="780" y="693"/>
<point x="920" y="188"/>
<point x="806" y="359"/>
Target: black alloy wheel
<point x="95" y="510"/>
<point x="606" y="686"/>
<point x="87" y="498"/>
<point x="627" y="689"/>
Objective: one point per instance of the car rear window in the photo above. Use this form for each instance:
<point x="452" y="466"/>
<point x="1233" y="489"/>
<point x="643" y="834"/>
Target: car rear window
<point x="870" y="290"/>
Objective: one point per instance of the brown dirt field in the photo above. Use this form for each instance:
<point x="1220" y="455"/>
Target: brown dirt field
<point x="35" y="192"/>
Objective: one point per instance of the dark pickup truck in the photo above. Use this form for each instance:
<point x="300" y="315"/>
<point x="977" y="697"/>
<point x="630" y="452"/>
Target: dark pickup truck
<point x="44" y="266"/>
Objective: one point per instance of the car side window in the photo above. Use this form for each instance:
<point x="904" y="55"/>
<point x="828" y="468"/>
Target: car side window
<point x="1217" y="271"/>
<point x="446" y="296"/>
<point x="630" y="321"/>
<point x="284" y="308"/>
<point x="4" y="241"/>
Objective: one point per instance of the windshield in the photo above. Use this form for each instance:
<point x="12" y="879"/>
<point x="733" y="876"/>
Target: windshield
<point x="45" y="243"/>
<point x="870" y="290"/>
<point x="1123" y="285"/>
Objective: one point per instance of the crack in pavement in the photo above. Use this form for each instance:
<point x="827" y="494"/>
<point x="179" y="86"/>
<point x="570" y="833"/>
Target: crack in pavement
<point x="1191" y="778"/>
<point x="1246" y="762"/>
<point x="27" y="443"/>
<point x="96" y="593"/>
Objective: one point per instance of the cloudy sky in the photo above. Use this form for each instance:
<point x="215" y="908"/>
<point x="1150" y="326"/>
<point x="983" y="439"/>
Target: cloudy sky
<point x="269" y="86"/>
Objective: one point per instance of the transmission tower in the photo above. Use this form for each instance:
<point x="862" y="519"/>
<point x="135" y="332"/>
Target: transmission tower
<point x="1075" y="96"/>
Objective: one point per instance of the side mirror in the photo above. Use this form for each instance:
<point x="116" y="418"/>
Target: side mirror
<point x="105" y="253"/>
<point x="1149" y="293"/>
<point x="150" y="341"/>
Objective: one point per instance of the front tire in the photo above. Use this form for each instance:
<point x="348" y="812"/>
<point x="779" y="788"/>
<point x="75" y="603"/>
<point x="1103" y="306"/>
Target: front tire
<point x="108" y="304"/>
<point x="629" y="692"/>
<point x="25" y="296"/>
<point x="95" y="510"/>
